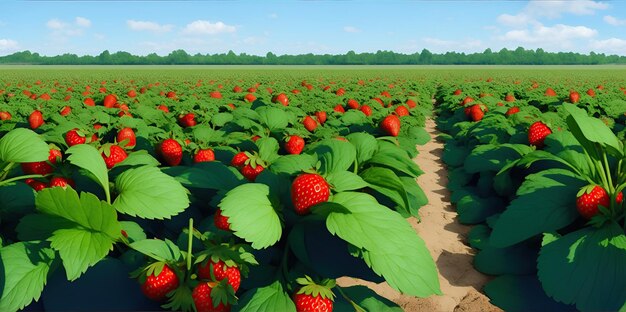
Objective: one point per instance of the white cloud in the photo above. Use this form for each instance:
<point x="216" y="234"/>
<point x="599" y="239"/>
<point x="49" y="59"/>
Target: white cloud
<point x="82" y="22"/>
<point x="201" y="27"/>
<point x="62" y="29"/>
<point x="148" y="26"/>
<point x="351" y="29"/>
<point x="56" y="24"/>
<point x="538" y="9"/>
<point x="555" y="34"/>
<point x="614" y="20"/>
<point x="514" y="20"/>
<point x="8" y="45"/>
<point x="612" y="45"/>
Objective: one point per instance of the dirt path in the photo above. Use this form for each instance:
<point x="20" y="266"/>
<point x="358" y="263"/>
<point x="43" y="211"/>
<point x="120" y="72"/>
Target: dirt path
<point x="445" y="238"/>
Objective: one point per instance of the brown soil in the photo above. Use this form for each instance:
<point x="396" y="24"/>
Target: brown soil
<point x="445" y="238"/>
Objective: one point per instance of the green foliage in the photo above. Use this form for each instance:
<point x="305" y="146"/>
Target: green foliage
<point x="22" y="145"/>
<point x="269" y="298"/>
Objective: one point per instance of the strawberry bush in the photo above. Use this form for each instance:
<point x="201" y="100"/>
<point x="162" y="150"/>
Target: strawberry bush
<point x="210" y="195"/>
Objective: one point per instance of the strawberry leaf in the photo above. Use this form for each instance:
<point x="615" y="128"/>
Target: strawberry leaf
<point x="251" y="215"/>
<point x="386" y="182"/>
<point x="24" y="269"/>
<point x="139" y="158"/>
<point x="158" y="249"/>
<point x="390" y="245"/>
<point x="209" y="175"/>
<point x="395" y="158"/>
<point x="366" y="299"/>
<point x="274" y="118"/>
<point x="148" y="193"/>
<point x="521" y="293"/>
<point x="268" y="149"/>
<point x="23" y="145"/>
<point x="590" y="130"/>
<point x="268" y="298"/>
<point x="87" y="157"/>
<point x="292" y="164"/>
<point x="335" y="156"/>
<point x="366" y="145"/>
<point x="345" y="181"/>
<point x="90" y="228"/>
<point x="589" y="261"/>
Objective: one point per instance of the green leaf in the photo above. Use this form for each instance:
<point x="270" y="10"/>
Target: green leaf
<point x="221" y="119"/>
<point x="393" y="157"/>
<point x="87" y="157"/>
<point x="139" y="158"/>
<point x="275" y="118"/>
<point x="390" y="245"/>
<point x="537" y="209"/>
<point x="23" y="145"/>
<point x="586" y="268"/>
<point x="335" y="155"/>
<point x="386" y="182"/>
<point x="92" y="231"/>
<point x="209" y="175"/>
<point x="158" y="249"/>
<point x="251" y="215"/>
<point x="518" y="260"/>
<point x="268" y="148"/>
<point x="292" y="164"/>
<point x="591" y="129"/>
<point x="24" y="270"/>
<point x="133" y="230"/>
<point x="494" y="157"/>
<point x="366" y="299"/>
<point x="366" y="145"/>
<point x="148" y="193"/>
<point x="268" y="298"/>
<point x="521" y="294"/>
<point x="17" y="199"/>
<point x="345" y="181"/>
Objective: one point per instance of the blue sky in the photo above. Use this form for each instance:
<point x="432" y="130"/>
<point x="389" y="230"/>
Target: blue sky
<point x="295" y="27"/>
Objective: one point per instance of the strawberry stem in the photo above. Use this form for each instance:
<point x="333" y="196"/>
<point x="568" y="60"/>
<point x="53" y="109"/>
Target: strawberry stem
<point x="189" y="244"/>
<point x="356" y="307"/>
<point x="607" y="172"/>
<point x="6" y="170"/>
<point x="24" y="177"/>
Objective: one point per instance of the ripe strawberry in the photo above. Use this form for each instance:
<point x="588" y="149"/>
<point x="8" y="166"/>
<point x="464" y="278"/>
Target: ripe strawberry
<point x="390" y="125"/>
<point x="89" y="102"/>
<point x="156" y="287"/>
<point x="587" y="203"/>
<point x="171" y="151"/>
<point x="353" y="104"/>
<point x="314" y="297"/>
<point x="5" y="116"/>
<point x="574" y="97"/>
<point x="591" y="92"/>
<point x="281" y="98"/>
<point x="410" y="103"/>
<point x="132" y="93"/>
<point x="321" y="117"/>
<point x="466" y="100"/>
<point x="215" y="95"/>
<point x="35" y="119"/>
<point x="129" y="135"/>
<point x="250" y="98"/>
<point x="221" y="221"/>
<point x="163" y="108"/>
<point x="204" y="155"/>
<point x="75" y="137"/>
<point x="537" y="133"/>
<point x="171" y="95"/>
<point x="509" y="98"/>
<point x="294" y="145"/>
<point x="220" y="271"/>
<point x="457" y="92"/>
<point x="339" y="109"/>
<point x="251" y="173"/>
<point x="309" y="123"/>
<point x="42" y="167"/>
<point x="187" y="120"/>
<point x="239" y="159"/>
<point x="202" y="299"/>
<point x="237" y="89"/>
<point x="512" y="110"/>
<point x="115" y="154"/>
<point x="550" y="92"/>
<point x="307" y="190"/>
<point x="476" y="113"/>
<point x="61" y="182"/>
<point x="109" y="101"/>
<point x="66" y="111"/>
<point x="36" y="185"/>
<point x="366" y="109"/>
<point x="402" y="111"/>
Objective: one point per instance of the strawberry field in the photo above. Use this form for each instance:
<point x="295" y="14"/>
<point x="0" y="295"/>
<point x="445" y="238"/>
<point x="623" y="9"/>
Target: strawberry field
<point x="255" y="189"/>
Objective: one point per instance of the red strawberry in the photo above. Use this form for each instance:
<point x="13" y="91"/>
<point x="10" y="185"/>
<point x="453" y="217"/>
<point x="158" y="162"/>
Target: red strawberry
<point x="156" y="287"/>
<point x="281" y="98"/>
<point x="390" y="125"/>
<point x="402" y="111"/>
<point x="42" y="167"/>
<point x="66" y="111"/>
<point x="509" y="98"/>
<point x="221" y="221"/>
<point x="251" y="173"/>
<point x="366" y="109"/>
<point x="202" y="299"/>
<point x="171" y="151"/>
<point x="587" y="203"/>
<point x="591" y="92"/>
<point x="237" y="89"/>
<point x="339" y="109"/>
<point x="250" y="98"/>
<point x="204" y="155"/>
<point x="35" y="119"/>
<point x="221" y="271"/>
<point x="321" y="117"/>
<point x="36" y="185"/>
<point x="457" y="92"/>
<point x="187" y="120"/>
<point x="550" y="92"/>
<point x="410" y="103"/>
<point x="131" y="93"/>
<point x="89" y="102"/>
<point x="163" y="108"/>
<point x="294" y="145"/>
<point x="466" y="100"/>
<point x="171" y="95"/>
<point x="512" y="110"/>
<point x="239" y="159"/>
<point x="75" y="137"/>
<point x="307" y="190"/>
<point x="61" y="182"/>
<point x="115" y="154"/>
<point x="476" y="113"/>
<point x="309" y="123"/>
<point x="537" y="133"/>
<point x="109" y="101"/>
<point x="129" y="135"/>
<point x="353" y="104"/>
<point x="574" y="97"/>
<point x="215" y="95"/>
<point x="5" y="116"/>
<point x="313" y="297"/>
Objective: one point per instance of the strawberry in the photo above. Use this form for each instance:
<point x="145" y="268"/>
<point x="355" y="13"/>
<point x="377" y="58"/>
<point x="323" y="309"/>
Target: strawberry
<point x="36" y="185"/>
<point x="171" y="151"/>
<point x="309" y="123"/>
<point x="509" y="98"/>
<point x="591" y="92"/>
<point x="220" y="271"/>
<point x="512" y="110"/>
<point x="114" y="155"/>
<point x="250" y="98"/>
<point x="339" y="109"/>
<point x="550" y="92"/>
<point x="5" y="116"/>
<point x="204" y="155"/>
<point x="35" y="120"/>
<point x="202" y="299"/>
<point x="281" y="98"/>
<point x="131" y="93"/>
<point x="476" y="113"/>
<point x="574" y="97"/>
<point x="221" y="221"/>
<point x="457" y="92"/>
<point x="390" y="125"/>
<point x="61" y="182"/>
<point x="75" y="137"/>
<point x="157" y="285"/>
<point x="590" y="198"/>
<point x="321" y="117"/>
<point x="109" y="101"/>
<point x="307" y="190"/>
<point x="163" y="108"/>
<point x="537" y="133"/>
<point x="187" y="120"/>
<point x="237" y="89"/>
<point x="402" y="111"/>
<point x="42" y="167"/>
<point x="251" y="172"/>
<point x="353" y="104"/>
<point x="467" y="100"/>
<point x="129" y="135"/>
<point x="215" y="95"/>
<point x="410" y="103"/>
<point x="366" y="109"/>
<point x="66" y="111"/>
<point x="171" y="95"/>
<point x="239" y="159"/>
<point x="313" y="297"/>
<point x="294" y="145"/>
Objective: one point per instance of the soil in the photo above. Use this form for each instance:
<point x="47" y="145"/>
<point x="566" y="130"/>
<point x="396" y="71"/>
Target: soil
<point x="445" y="237"/>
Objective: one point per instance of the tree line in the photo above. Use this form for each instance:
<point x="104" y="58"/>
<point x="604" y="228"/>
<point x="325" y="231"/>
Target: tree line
<point x="519" y="56"/>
